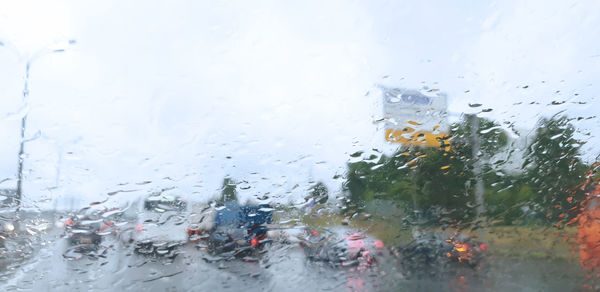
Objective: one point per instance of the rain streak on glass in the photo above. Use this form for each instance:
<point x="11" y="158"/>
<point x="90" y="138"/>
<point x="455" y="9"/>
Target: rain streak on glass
<point x="338" y="146"/>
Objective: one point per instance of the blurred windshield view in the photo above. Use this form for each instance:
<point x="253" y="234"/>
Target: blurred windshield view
<point x="300" y="146"/>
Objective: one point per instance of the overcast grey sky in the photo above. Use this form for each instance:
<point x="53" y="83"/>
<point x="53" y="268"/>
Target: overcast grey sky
<point x="164" y="92"/>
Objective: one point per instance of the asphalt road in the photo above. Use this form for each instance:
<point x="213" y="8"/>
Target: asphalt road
<point x="53" y="266"/>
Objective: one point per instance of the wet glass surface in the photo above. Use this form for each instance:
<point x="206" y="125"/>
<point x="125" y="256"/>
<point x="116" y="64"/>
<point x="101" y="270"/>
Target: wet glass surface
<point x="278" y="146"/>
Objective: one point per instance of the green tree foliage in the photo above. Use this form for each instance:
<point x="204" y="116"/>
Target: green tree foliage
<point x="433" y="181"/>
<point x="491" y="137"/>
<point x="507" y="199"/>
<point x="319" y="193"/>
<point x="379" y="177"/>
<point x="441" y="182"/>
<point x="554" y="167"/>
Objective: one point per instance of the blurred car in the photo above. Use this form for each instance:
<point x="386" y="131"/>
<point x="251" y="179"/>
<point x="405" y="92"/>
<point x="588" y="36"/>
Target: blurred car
<point x="160" y="227"/>
<point x="437" y="251"/>
<point x="342" y="247"/>
<point x="235" y="230"/>
<point x="86" y="228"/>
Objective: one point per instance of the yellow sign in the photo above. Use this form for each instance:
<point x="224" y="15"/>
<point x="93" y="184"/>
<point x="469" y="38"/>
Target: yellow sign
<point x="408" y="136"/>
<point x="415" y="118"/>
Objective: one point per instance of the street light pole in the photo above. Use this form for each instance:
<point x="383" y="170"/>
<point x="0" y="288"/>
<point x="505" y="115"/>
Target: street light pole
<point x="477" y="171"/>
<point x="19" y="194"/>
<point x="25" y="96"/>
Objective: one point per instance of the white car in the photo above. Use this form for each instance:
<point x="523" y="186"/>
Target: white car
<point x="161" y="226"/>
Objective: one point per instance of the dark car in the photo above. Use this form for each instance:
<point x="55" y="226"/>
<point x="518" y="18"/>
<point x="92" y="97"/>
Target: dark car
<point x="86" y="229"/>
<point x="239" y="230"/>
<point x="438" y="252"/>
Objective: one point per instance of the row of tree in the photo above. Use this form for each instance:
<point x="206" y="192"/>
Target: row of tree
<point x="436" y="185"/>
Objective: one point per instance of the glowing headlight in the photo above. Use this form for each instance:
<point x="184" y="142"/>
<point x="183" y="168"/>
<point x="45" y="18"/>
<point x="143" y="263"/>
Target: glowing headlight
<point x="9" y="227"/>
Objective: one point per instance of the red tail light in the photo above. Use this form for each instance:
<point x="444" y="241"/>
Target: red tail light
<point x="69" y="222"/>
<point x="140" y="227"/>
<point x="254" y="241"/>
<point x="483" y="247"/>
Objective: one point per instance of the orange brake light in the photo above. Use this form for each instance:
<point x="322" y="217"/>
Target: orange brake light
<point x="461" y="247"/>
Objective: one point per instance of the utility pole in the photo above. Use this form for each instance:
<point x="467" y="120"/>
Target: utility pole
<point x="477" y="171"/>
<point x="18" y="197"/>
<point x="19" y="194"/>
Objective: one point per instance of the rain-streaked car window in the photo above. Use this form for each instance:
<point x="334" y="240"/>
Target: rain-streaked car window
<point x="290" y="146"/>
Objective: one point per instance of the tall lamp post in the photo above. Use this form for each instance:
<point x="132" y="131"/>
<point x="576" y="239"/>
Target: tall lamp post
<point x="477" y="170"/>
<point x="25" y="95"/>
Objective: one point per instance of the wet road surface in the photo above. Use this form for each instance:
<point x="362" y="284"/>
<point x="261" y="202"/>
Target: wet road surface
<point x="113" y="267"/>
